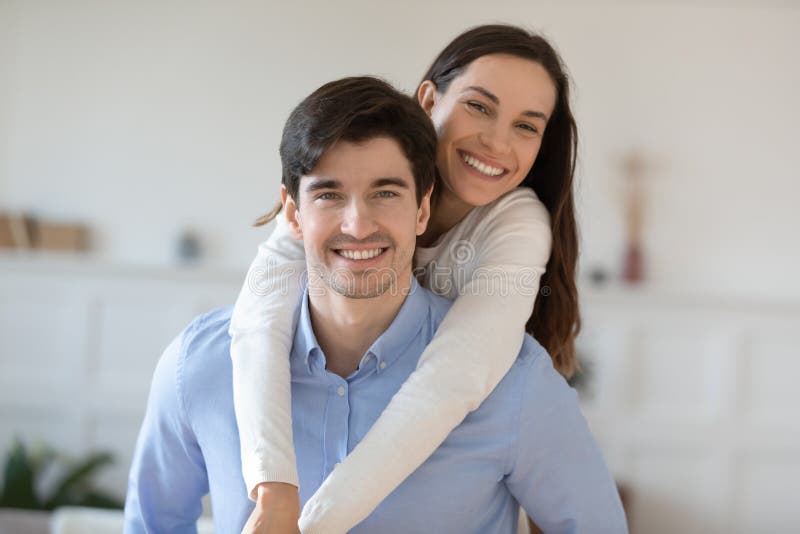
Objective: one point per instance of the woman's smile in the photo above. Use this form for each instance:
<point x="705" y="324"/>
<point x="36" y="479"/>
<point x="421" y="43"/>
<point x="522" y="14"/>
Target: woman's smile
<point x="484" y="168"/>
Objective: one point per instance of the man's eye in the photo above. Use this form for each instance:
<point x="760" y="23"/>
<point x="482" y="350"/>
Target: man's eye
<point x="478" y="106"/>
<point x="387" y="194"/>
<point x="326" y="196"/>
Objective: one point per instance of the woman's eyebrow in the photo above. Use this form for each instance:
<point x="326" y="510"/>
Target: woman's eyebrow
<point x="485" y="92"/>
<point x="493" y="97"/>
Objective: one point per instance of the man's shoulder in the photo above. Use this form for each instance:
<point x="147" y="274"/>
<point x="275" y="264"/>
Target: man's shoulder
<point x="208" y="327"/>
<point x="438" y="305"/>
<point x="533" y="363"/>
<point x="529" y="354"/>
<point x="205" y="342"/>
<point x="532" y="358"/>
<point x="532" y="351"/>
<point x="531" y="372"/>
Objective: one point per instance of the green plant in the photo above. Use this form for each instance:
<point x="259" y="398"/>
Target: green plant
<point x="23" y="469"/>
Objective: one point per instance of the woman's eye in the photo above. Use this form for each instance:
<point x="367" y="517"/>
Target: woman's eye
<point x="528" y="128"/>
<point x="478" y="106"/>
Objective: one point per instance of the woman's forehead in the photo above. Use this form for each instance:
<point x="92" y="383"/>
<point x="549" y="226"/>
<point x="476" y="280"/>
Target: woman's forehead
<point x="511" y="79"/>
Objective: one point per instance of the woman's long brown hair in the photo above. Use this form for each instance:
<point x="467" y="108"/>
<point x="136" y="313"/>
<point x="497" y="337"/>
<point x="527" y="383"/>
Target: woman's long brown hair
<point x="556" y="319"/>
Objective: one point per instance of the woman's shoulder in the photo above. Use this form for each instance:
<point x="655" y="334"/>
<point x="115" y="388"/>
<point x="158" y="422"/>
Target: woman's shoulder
<point x="518" y="212"/>
<point x="512" y="231"/>
<point x="519" y="202"/>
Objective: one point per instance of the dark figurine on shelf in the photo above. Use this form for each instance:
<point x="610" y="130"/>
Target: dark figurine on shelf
<point x="633" y="267"/>
<point x="189" y="247"/>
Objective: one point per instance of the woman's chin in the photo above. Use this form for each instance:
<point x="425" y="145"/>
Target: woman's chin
<point x="477" y="196"/>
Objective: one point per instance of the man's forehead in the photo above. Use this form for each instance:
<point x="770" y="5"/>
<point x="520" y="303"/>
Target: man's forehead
<point x="349" y="163"/>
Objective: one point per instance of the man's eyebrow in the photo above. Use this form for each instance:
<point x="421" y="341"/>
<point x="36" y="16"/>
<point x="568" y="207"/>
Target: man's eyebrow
<point x="390" y="180"/>
<point x="317" y="184"/>
<point x="493" y="97"/>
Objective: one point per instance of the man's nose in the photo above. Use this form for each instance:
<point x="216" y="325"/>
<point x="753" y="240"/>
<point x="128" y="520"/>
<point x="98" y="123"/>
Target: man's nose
<point x="358" y="220"/>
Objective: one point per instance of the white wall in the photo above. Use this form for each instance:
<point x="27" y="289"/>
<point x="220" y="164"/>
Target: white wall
<point x="143" y="118"/>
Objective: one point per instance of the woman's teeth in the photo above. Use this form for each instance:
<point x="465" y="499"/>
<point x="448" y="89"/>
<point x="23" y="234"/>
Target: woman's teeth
<point x="482" y="167"/>
<point x="360" y="254"/>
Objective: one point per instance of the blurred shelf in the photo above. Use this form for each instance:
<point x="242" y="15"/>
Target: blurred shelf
<point x="649" y="296"/>
<point x="86" y="264"/>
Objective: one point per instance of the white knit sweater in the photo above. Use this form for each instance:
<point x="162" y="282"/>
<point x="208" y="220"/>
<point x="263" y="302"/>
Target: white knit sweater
<point x="490" y="264"/>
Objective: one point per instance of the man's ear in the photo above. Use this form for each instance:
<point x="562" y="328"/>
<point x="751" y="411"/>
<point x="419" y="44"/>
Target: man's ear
<point x="424" y="212"/>
<point x="292" y="214"/>
<point x="426" y="96"/>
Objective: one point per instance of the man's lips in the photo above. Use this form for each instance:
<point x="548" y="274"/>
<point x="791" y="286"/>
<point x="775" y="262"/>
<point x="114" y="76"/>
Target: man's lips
<point x="361" y="254"/>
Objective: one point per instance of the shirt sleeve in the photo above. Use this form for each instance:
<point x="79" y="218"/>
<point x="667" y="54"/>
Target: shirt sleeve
<point x="168" y="477"/>
<point x="474" y="347"/>
<point x="261" y="340"/>
<point x="557" y="471"/>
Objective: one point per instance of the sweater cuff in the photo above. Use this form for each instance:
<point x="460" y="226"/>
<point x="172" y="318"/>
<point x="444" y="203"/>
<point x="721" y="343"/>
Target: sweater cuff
<point x="253" y="479"/>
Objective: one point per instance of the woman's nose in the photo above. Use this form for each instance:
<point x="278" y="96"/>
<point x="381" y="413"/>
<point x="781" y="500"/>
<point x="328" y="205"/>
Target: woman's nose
<point x="496" y="140"/>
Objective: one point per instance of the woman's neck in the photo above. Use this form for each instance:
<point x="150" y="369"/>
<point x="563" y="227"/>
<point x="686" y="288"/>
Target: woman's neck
<point x="447" y="211"/>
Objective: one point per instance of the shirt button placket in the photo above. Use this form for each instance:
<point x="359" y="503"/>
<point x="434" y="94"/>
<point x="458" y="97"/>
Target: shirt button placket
<point x="338" y="432"/>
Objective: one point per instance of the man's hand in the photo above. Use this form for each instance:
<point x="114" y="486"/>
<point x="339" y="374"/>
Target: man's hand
<point x="277" y="510"/>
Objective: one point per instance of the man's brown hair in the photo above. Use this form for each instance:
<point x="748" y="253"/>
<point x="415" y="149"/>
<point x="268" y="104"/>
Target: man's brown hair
<point x="356" y="109"/>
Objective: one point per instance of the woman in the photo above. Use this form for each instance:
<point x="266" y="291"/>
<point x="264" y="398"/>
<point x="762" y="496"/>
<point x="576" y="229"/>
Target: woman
<point x="499" y="99"/>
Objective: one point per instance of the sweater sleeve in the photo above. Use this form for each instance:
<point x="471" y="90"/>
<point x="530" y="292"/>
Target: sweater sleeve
<point x="474" y="347"/>
<point x="261" y="340"/>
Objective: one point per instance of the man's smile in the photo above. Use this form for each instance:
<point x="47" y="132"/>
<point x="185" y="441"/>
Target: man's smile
<point x="360" y="254"/>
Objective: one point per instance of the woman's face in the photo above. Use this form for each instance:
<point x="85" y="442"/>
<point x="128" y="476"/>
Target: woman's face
<point x="490" y="123"/>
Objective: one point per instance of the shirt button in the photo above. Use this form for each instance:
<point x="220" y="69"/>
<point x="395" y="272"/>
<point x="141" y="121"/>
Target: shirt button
<point x="340" y="391"/>
<point x="383" y="365"/>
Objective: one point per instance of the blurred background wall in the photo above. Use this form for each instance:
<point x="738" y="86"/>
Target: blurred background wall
<point x="147" y="120"/>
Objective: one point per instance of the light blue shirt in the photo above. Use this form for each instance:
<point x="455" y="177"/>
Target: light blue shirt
<point x="527" y="444"/>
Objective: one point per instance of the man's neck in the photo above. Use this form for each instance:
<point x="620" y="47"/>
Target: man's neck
<point x="345" y="327"/>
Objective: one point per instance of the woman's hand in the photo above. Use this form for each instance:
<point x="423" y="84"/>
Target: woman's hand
<point x="277" y="510"/>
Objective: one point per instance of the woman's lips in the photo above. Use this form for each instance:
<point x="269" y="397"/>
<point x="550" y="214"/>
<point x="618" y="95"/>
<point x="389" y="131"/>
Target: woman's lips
<point x="480" y="167"/>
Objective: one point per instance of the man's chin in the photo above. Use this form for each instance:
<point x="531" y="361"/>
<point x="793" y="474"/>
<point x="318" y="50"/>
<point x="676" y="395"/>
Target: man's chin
<point x="362" y="284"/>
<point x="358" y="293"/>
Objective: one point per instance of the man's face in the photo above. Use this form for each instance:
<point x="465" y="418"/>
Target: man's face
<point x="358" y="217"/>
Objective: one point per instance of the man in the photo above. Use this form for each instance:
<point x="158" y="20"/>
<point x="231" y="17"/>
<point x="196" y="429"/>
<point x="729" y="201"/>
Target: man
<point x="362" y="325"/>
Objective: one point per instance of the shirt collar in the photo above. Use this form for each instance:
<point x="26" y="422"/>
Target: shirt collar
<point x="305" y="342"/>
<point x="403" y="330"/>
<point x="387" y="348"/>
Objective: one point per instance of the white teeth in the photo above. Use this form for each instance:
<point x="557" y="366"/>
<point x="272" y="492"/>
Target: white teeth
<point x="485" y="169"/>
<point x="360" y="254"/>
